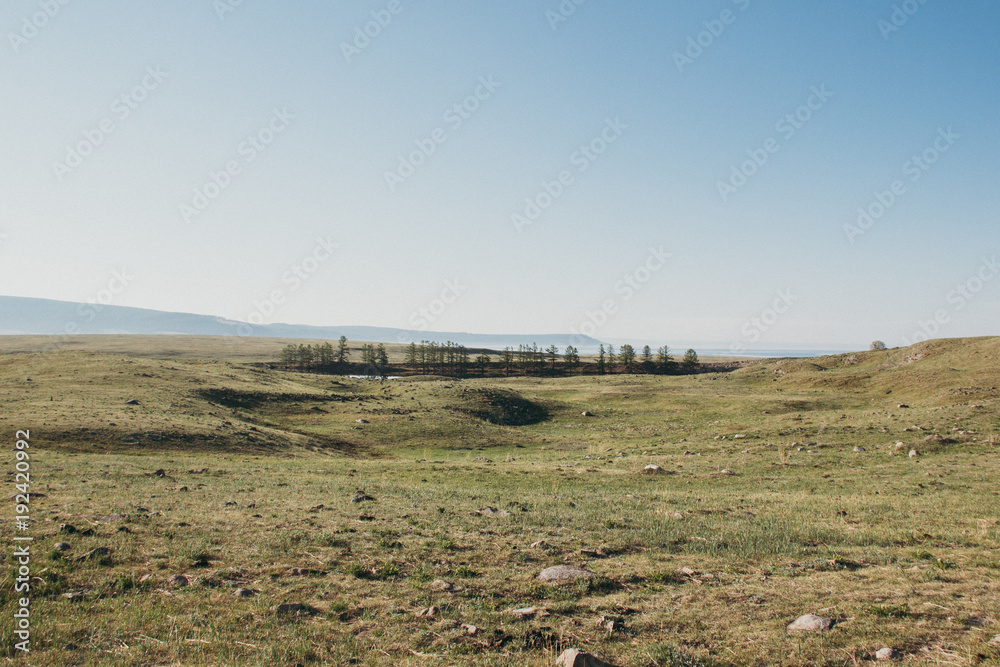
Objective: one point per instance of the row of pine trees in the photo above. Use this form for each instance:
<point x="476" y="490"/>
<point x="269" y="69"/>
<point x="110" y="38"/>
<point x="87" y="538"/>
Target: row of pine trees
<point x="453" y="358"/>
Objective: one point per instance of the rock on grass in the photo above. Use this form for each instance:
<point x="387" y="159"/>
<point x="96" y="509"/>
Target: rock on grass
<point x="564" y="573"/>
<point x="574" y="657"/>
<point x="811" y="623"/>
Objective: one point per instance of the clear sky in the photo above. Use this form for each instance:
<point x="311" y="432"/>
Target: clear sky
<point x="665" y="172"/>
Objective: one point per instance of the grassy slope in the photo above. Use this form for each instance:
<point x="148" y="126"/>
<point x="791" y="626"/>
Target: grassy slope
<point x="902" y="552"/>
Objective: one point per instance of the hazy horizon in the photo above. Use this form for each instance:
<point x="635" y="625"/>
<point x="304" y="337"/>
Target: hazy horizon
<point x="731" y="173"/>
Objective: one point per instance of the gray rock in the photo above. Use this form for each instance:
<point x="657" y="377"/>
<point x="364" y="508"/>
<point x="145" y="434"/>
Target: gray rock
<point x="886" y="654"/>
<point x="99" y="552"/>
<point x="652" y="469"/>
<point x="361" y="497"/>
<point x="586" y="413"/>
<point x="574" y="657"/>
<point x="62" y="546"/>
<point x="243" y="593"/>
<point x="564" y="573"/>
<point x="859" y="449"/>
<point x="178" y="581"/>
<point x="914" y="453"/>
<point x="492" y="511"/>
<point x="811" y="623"/>
<point x="527" y="612"/>
<point x="361" y="421"/>
<point x="131" y="401"/>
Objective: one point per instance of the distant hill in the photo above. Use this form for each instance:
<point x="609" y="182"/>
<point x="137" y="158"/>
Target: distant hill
<point x="21" y="315"/>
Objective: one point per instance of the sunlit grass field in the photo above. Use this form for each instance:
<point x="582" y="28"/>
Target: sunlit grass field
<point x="410" y="518"/>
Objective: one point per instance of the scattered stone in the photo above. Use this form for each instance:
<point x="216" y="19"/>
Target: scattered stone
<point x="294" y="608"/>
<point x="586" y="413"/>
<point x="564" y="573"/>
<point x="574" y="657"/>
<point x="361" y="497"/>
<point x="198" y="472"/>
<point x="676" y="515"/>
<point x="71" y="647"/>
<point x="902" y="406"/>
<point x="859" y="449"/>
<point x="429" y="612"/>
<point x="73" y="595"/>
<point x="738" y="436"/>
<point x="99" y="552"/>
<point x="886" y="654"/>
<point x="131" y="401"/>
<point x="67" y="529"/>
<point x="183" y="488"/>
<point x="898" y="446"/>
<point x="593" y="553"/>
<point x="243" y="593"/>
<point x="178" y="581"/>
<point x="229" y="503"/>
<point x="441" y="585"/>
<point x="361" y="421"/>
<point x="62" y="546"/>
<point x="811" y="623"/>
<point x="491" y="511"/>
<point x="652" y="469"/>
<point x="160" y="473"/>
<point x="483" y="459"/>
<point x="686" y="571"/>
<point x="201" y="561"/>
<point x="469" y="629"/>
<point x="727" y="472"/>
<point x="540" y="544"/>
<point x="527" y="612"/>
<point x="145" y="578"/>
<point x="914" y="453"/>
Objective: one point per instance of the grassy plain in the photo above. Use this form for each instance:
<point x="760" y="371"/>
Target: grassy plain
<point x="242" y="477"/>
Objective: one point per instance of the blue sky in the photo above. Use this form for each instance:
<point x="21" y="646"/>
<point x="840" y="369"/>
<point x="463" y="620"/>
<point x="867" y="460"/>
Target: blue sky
<point x="710" y="192"/>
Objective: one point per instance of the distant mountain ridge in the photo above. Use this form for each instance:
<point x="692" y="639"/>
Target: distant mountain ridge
<point x="24" y="315"/>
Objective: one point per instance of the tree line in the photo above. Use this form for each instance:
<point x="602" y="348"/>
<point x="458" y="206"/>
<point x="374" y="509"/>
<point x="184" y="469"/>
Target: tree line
<point x="449" y="358"/>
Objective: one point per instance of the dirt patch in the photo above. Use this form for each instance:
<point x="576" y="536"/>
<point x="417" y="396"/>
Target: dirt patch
<point x="502" y="407"/>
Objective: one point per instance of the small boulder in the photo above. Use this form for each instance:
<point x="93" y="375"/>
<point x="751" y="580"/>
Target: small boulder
<point x="574" y="657"/>
<point x="99" y="552"/>
<point x="491" y="511"/>
<point x="914" y="453"/>
<point x="62" y="546"/>
<point x="469" y="629"/>
<point x="886" y="654"/>
<point x="243" y="593"/>
<point x="361" y="421"/>
<point x="652" y="469"/>
<point x="178" y="581"/>
<point x="525" y="613"/>
<point x="586" y="413"/>
<point x="131" y="401"/>
<point x="429" y="612"/>
<point x="560" y="573"/>
<point x="361" y="497"/>
<point x="811" y="623"/>
<point x="859" y="449"/>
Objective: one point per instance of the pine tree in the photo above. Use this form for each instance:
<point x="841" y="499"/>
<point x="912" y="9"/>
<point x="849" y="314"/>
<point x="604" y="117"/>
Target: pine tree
<point x="343" y="351"/>
<point x="665" y="362"/>
<point x="600" y="360"/>
<point x="690" y="361"/>
<point x="411" y="355"/>
<point x="507" y="360"/>
<point x="628" y="357"/>
<point x="612" y="359"/>
<point x="647" y="359"/>
<point x="553" y="353"/>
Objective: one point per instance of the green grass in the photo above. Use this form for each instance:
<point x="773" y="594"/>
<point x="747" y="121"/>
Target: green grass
<point x="261" y="466"/>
